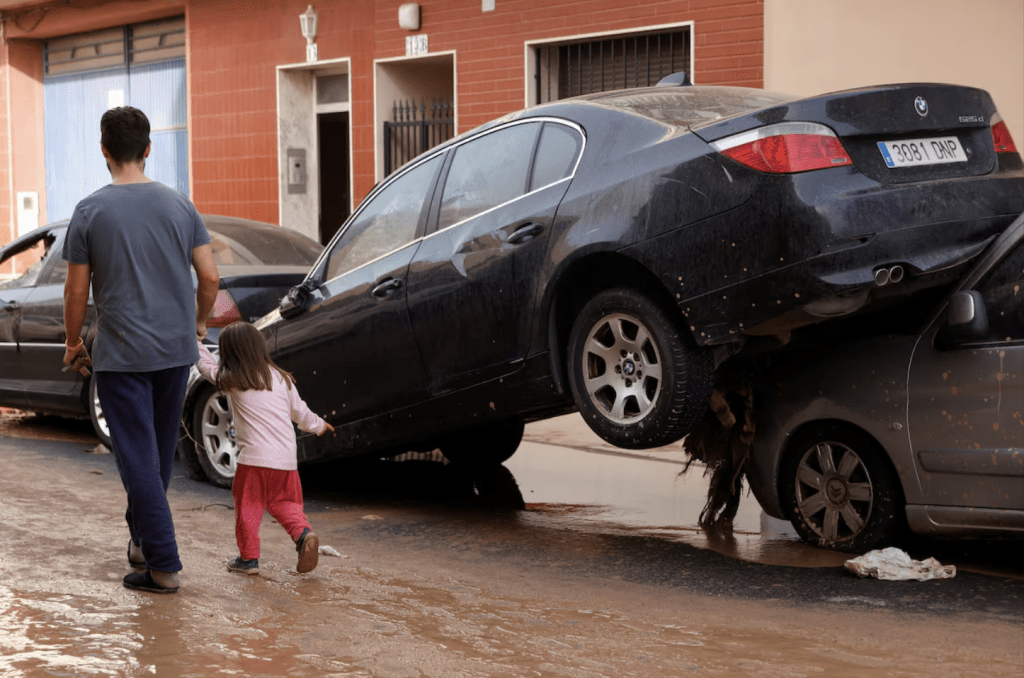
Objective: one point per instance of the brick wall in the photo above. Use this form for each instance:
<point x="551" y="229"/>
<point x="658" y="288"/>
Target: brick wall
<point x="233" y="55"/>
<point x="7" y="217"/>
<point x="728" y="45"/>
<point x="234" y="49"/>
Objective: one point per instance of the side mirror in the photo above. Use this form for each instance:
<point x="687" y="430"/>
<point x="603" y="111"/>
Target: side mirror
<point x="296" y="302"/>
<point x="966" y="319"/>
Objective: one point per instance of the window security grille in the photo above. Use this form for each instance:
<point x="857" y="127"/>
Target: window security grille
<point x="115" y="47"/>
<point x="412" y="132"/>
<point x="617" y="62"/>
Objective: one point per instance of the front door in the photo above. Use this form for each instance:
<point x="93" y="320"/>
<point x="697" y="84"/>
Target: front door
<point x="967" y="403"/>
<point x="352" y="352"/>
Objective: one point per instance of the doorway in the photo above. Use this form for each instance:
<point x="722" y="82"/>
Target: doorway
<point x="314" y="145"/>
<point x="335" y="181"/>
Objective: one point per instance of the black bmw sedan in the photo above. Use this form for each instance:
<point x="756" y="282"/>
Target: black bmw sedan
<point x="257" y="262"/>
<point x="606" y="252"/>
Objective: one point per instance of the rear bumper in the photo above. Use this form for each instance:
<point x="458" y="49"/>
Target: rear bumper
<point x="731" y="311"/>
<point x="806" y="237"/>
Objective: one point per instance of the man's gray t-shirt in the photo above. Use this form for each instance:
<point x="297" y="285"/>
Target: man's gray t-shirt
<point x="138" y="241"/>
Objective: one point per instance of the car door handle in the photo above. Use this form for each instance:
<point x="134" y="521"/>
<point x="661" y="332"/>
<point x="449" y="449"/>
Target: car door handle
<point x="11" y="306"/>
<point x="525" y="233"/>
<point x="385" y="288"/>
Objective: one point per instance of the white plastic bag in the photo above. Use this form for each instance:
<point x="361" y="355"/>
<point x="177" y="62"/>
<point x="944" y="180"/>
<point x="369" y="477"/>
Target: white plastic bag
<point x="892" y="564"/>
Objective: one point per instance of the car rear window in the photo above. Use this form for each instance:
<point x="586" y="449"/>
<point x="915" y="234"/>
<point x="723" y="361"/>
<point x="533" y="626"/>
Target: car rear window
<point x="691" y="106"/>
<point x="255" y="244"/>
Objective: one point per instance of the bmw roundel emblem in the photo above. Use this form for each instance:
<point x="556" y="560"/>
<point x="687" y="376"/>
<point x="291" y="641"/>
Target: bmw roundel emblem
<point x="921" y="106"/>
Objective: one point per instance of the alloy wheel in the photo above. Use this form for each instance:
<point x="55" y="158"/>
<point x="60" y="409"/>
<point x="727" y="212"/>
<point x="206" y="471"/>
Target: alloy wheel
<point x="217" y="435"/>
<point x="622" y="369"/>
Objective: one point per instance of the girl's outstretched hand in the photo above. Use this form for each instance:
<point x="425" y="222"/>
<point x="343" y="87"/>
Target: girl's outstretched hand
<point x="327" y="427"/>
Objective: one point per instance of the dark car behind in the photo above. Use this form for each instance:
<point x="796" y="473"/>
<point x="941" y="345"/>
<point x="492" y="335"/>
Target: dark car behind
<point x="257" y="262"/>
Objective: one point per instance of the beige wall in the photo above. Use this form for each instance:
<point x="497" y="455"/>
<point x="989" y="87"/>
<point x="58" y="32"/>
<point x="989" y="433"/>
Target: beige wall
<point x="814" y="46"/>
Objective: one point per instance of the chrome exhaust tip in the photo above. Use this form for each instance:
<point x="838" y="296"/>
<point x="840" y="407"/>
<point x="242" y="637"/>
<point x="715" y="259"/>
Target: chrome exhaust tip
<point x="885" y="276"/>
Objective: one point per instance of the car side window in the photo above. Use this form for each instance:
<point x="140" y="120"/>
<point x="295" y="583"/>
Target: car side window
<point x="388" y="222"/>
<point x="487" y="172"/>
<point x="1003" y="291"/>
<point x="556" y="155"/>
<point x="28" y="261"/>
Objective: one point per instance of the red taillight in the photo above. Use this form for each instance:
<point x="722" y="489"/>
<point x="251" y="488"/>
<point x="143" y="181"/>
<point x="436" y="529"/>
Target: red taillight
<point x="224" y="312"/>
<point x="1001" y="138"/>
<point x="786" y="148"/>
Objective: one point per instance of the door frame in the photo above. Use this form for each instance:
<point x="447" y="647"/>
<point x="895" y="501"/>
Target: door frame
<point x="297" y="112"/>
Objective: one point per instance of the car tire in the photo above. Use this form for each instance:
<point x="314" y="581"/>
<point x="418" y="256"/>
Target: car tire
<point x="839" y="489"/>
<point x="99" y="420"/>
<point x="638" y="378"/>
<point x="213" y="429"/>
<point x="484" y="446"/>
<point x="189" y="457"/>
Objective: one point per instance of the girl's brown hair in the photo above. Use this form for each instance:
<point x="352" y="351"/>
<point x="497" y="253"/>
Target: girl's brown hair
<point x="244" y="361"/>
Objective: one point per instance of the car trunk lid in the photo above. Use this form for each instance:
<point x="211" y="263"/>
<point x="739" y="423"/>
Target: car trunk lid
<point x="944" y="130"/>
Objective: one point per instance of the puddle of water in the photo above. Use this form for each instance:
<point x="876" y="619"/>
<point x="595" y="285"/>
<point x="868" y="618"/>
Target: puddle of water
<point x="60" y="634"/>
<point x="645" y="492"/>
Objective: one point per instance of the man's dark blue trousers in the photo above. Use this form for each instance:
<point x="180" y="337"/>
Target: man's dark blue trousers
<point x="143" y="410"/>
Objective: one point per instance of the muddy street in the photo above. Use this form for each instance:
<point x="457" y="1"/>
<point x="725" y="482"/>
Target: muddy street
<point x="545" y="568"/>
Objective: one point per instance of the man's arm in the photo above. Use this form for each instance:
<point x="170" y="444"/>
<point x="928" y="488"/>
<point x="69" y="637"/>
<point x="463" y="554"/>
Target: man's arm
<point x="206" y="291"/>
<point x="76" y="304"/>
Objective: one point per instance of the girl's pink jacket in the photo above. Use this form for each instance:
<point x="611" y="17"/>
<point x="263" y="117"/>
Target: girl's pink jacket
<point x="263" y="419"/>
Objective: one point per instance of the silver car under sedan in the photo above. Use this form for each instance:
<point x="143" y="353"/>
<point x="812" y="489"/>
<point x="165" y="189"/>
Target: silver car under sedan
<point x="920" y="429"/>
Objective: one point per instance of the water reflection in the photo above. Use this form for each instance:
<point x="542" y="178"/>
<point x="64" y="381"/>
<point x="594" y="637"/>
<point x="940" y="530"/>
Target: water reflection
<point x="48" y="633"/>
<point x="577" y="479"/>
<point x="591" y="486"/>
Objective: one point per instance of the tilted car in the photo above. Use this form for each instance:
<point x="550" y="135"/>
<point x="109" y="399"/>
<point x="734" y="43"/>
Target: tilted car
<point x="922" y="427"/>
<point x="605" y="252"/>
<point x="257" y="262"/>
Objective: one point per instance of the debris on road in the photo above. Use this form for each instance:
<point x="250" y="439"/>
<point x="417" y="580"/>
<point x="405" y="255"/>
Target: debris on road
<point x="330" y="551"/>
<point x="892" y="564"/>
<point x="99" y="449"/>
<point x="721" y="442"/>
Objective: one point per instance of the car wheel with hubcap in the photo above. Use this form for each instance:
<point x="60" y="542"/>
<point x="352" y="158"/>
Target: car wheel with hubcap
<point x="840" y="490"/>
<point x="213" y="428"/>
<point x="484" y="446"/>
<point x="99" y="420"/>
<point x="637" y="376"/>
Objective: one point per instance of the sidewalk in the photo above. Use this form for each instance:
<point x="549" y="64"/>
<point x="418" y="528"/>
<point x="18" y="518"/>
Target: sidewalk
<point x="570" y="430"/>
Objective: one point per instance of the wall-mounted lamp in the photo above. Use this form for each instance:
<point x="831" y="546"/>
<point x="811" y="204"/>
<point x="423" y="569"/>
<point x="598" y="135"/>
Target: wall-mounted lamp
<point x="409" y="16"/>
<point x="307" y="20"/>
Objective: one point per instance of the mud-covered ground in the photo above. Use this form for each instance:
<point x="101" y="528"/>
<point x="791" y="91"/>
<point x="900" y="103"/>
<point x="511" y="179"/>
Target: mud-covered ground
<point x="447" y="577"/>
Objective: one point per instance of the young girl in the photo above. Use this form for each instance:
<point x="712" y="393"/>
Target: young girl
<point x="265" y="402"/>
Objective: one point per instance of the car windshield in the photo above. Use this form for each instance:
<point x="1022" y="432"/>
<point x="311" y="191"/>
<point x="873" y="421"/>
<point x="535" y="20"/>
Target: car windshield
<point x="254" y="244"/>
<point x="691" y="106"/>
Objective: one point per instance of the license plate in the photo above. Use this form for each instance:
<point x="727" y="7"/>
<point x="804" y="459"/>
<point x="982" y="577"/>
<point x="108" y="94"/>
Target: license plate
<point x="911" y="152"/>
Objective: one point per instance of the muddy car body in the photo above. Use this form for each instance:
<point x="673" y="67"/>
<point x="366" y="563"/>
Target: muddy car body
<point x="604" y="252"/>
<point x="922" y="427"/>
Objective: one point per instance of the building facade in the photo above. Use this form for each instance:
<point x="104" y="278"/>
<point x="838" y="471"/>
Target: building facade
<point x="254" y="119"/>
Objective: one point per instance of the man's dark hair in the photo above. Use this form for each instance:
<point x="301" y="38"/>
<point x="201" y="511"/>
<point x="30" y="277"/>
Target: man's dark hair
<point x="124" y="132"/>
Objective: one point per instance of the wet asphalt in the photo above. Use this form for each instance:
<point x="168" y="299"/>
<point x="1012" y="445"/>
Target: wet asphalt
<point x="483" y="519"/>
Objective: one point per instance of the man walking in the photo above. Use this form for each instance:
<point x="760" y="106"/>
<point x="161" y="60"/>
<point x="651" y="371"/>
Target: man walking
<point x="136" y="241"/>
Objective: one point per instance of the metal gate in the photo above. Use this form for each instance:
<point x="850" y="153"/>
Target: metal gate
<point x="617" y="62"/>
<point x="84" y="75"/>
<point x="412" y="132"/>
